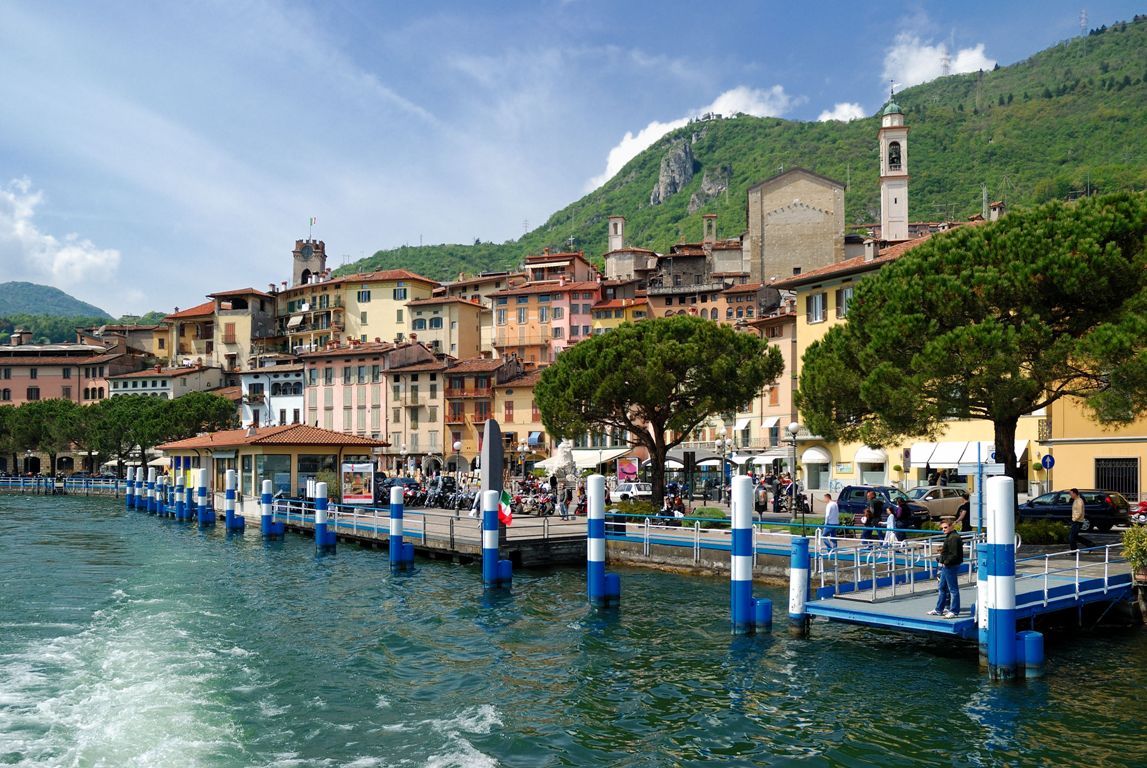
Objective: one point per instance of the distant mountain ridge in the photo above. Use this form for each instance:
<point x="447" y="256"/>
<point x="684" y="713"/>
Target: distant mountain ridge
<point x="31" y="299"/>
<point x="1068" y="120"/>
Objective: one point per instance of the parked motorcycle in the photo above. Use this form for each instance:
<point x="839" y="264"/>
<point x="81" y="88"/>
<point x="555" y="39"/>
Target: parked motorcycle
<point x="1139" y="514"/>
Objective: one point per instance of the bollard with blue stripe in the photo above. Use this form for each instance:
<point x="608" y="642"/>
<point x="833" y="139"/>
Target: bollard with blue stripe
<point x="401" y="553"/>
<point x="495" y="573"/>
<point x="983" y="555"/>
<point x="1001" y="578"/>
<point x="151" y="474"/>
<point x="128" y="487"/>
<point x="206" y="514"/>
<point x="267" y="525"/>
<point x="325" y="539"/>
<point x="603" y="589"/>
<point x="748" y="615"/>
<point x="161" y="496"/>
<point x="798" y="587"/>
<point x="233" y="522"/>
<point x="1029" y="652"/>
<point x="189" y="500"/>
<point x="180" y="500"/>
<point x="141" y="489"/>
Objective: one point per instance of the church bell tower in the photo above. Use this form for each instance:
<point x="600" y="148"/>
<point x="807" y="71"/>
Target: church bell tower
<point x="310" y="260"/>
<point x="893" y="174"/>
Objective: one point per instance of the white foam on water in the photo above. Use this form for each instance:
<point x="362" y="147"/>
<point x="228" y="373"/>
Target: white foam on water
<point x="463" y="755"/>
<point x="480" y="719"/>
<point x="364" y="762"/>
<point x="128" y="690"/>
<point x="382" y="702"/>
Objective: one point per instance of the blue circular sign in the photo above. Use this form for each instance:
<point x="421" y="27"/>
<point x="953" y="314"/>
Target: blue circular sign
<point x="1048" y="461"/>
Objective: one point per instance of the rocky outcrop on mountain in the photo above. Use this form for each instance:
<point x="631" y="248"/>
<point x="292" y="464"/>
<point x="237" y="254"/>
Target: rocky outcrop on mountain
<point x="712" y="185"/>
<point x="676" y="172"/>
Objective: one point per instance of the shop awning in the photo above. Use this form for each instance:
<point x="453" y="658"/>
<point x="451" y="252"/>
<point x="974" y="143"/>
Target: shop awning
<point x="295" y="321"/>
<point x="741" y="424"/>
<point x="947" y="454"/>
<point x="920" y="453"/>
<point x="535" y="438"/>
<point x="1021" y="448"/>
<point x="590" y="458"/>
<point x="978" y="450"/>
<point x="710" y="462"/>
<point x="816" y="455"/>
<point x="866" y="455"/>
<point x="778" y="452"/>
<point x="769" y="422"/>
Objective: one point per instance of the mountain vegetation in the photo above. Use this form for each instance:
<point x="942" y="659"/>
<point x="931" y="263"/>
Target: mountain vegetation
<point x="1066" y="122"/>
<point x="32" y="299"/>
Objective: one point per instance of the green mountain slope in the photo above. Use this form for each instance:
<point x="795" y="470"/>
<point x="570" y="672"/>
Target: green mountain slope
<point x="1067" y="120"/>
<point x="33" y="299"/>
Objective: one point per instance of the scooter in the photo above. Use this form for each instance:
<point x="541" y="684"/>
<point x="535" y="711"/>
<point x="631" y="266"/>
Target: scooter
<point x="1139" y="514"/>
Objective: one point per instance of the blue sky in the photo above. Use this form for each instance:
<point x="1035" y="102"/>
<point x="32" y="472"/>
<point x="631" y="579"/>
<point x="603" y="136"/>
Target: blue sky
<point x="151" y="153"/>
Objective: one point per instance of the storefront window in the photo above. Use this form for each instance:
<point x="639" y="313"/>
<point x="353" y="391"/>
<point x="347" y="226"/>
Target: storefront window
<point x="311" y="465"/>
<point x="277" y="469"/>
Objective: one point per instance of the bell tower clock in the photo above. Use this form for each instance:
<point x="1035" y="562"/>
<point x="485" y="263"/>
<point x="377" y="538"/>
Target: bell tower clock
<point x="310" y="259"/>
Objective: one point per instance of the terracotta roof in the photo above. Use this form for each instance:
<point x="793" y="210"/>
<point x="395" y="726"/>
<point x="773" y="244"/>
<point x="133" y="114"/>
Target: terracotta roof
<point x="548" y="286"/>
<point x="368" y="348"/>
<point x="290" y="434"/>
<point x="289" y="367"/>
<point x="443" y="300"/>
<point x="544" y="257"/>
<point x="744" y="288"/>
<point x="234" y="394"/>
<point x="431" y="365"/>
<point x="527" y="379"/>
<point x="628" y="249"/>
<point x="484" y="279"/>
<point x="382" y="276"/>
<point x="207" y="308"/>
<point x="94" y="359"/>
<point x="240" y="292"/>
<point x="150" y="373"/>
<point x="475" y="365"/>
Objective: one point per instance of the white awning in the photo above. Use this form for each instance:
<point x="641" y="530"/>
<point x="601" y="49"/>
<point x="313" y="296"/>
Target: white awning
<point x="548" y="264"/>
<point x="1021" y="446"/>
<point x="978" y="450"/>
<point x="590" y="458"/>
<point x="741" y="424"/>
<point x="866" y="455"/>
<point x="162" y="461"/>
<point x="741" y="458"/>
<point x="766" y="456"/>
<point x="816" y="455"/>
<point x="295" y="321"/>
<point x="769" y="422"/>
<point x="947" y="454"/>
<point x="535" y="438"/>
<point x="710" y="462"/>
<point x="920" y="453"/>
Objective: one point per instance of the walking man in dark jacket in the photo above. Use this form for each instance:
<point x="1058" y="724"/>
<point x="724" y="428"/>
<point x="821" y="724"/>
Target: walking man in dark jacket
<point x="951" y="556"/>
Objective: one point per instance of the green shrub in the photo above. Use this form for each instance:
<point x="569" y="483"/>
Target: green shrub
<point x="1045" y="532"/>
<point x="1135" y="547"/>
<point x="718" y="517"/>
<point x="634" y="507"/>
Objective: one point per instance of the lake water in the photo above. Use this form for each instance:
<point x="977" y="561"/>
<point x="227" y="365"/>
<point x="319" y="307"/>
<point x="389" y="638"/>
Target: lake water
<point x="126" y="640"/>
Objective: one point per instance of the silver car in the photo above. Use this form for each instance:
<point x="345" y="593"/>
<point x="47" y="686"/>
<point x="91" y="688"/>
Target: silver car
<point x="633" y="491"/>
<point x="940" y="500"/>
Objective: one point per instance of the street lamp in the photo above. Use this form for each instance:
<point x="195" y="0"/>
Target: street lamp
<point x="457" y="461"/>
<point x="792" y="429"/>
<point x="725" y="446"/>
<point x="523" y="449"/>
<point x="402" y="451"/>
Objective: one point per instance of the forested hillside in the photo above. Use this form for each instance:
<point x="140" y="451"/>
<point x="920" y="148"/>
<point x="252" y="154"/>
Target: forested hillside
<point x="1066" y="121"/>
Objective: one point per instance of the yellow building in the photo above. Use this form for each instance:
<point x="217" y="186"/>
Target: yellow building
<point x="525" y="438"/>
<point x="448" y="325"/>
<point x="376" y="302"/>
<point x="822" y="300"/>
<point x="1087" y="454"/>
<point x="607" y="315"/>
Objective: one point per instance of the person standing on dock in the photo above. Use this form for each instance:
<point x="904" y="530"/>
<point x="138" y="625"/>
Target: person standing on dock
<point x="831" y="521"/>
<point x="951" y="556"/>
<point x="1078" y="518"/>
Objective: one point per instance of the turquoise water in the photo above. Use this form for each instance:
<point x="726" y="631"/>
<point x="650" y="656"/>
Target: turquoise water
<point x="126" y="640"/>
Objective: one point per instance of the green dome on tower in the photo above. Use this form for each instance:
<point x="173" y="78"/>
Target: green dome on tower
<point x="892" y="109"/>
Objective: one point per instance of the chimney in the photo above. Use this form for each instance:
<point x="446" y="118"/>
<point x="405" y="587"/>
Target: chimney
<point x="870" y="249"/>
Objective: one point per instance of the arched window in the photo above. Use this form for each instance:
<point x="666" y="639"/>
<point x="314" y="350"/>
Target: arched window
<point x="894" y="156"/>
<point x="100" y="395"/>
<point x="729" y="313"/>
<point x="5" y="394"/>
<point x="298" y="388"/>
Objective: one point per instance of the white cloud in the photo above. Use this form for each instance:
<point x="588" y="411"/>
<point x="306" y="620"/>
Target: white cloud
<point x="911" y="61"/>
<point x="843" y="111"/>
<point x="28" y="254"/>
<point x="758" y="102"/>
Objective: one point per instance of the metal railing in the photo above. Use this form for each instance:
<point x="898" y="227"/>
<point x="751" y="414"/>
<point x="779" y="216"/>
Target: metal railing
<point x="1069" y="568"/>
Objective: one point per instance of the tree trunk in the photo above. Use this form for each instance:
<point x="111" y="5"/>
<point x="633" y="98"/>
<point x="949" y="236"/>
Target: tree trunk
<point x="1005" y="441"/>
<point x="658" y="452"/>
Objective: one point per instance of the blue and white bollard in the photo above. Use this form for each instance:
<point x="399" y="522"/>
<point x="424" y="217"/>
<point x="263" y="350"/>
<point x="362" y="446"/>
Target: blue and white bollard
<point x="233" y="522"/>
<point x="180" y="498"/>
<point x="206" y="515"/>
<point x="161" y="496"/>
<point x="141" y="489"/>
<point x="401" y="553"/>
<point x="1001" y="567"/>
<point x="603" y="589"/>
<point x="798" y="587"/>
<point x="267" y="525"/>
<point x="128" y="488"/>
<point x="151" y="475"/>
<point x="1029" y="652"/>
<point x="982" y="601"/>
<point x="189" y="500"/>
<point x="325" y="540"/>
<point x="748" y="615"/>
<point x="495" y="573"/>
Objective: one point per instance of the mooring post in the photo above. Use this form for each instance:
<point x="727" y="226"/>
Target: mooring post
<point x="128" y="488"/>
<point x="495" y="573"/>
<point x="1001" y="578"/>
<point x="233" y="522"/>
<point x="151" y="474"/>
<point x="798" y="587"/>
<point x="141" y="489"/>
<point x="161" y="496"/>
<point x="267" y="525"/>
<point x="206" y="516"/>
<point x="325" y="540"/>
<point x="180" y="498"/>
<point x="604" y="589"/>
<point x="401" y="553"/>
<point x="748" y="615"/>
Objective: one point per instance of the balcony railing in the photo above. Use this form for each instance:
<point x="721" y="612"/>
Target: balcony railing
<point x="453" y="392"/>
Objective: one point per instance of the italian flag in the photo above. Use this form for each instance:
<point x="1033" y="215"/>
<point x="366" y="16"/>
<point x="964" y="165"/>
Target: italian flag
<point x="505" y="511"/>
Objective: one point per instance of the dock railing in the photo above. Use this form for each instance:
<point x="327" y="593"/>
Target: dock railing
<point x="1084" y="571"/>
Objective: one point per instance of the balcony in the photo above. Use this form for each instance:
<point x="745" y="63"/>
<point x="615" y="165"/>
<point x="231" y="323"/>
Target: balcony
<point x="455" y="418"/>
<point x="252" y="399"/>
<point x="459" y="393"/>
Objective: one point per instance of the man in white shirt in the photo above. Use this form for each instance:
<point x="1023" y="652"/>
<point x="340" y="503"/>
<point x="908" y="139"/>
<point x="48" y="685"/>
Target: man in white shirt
<point x="831" y="521"/>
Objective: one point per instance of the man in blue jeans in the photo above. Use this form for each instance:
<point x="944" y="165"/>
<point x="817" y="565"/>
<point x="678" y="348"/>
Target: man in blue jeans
<point x="951" y="556"/>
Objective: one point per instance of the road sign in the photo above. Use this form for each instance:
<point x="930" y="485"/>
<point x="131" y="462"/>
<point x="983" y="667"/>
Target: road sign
<point x="975" y="469"/>
<point x="1048" y="461"/>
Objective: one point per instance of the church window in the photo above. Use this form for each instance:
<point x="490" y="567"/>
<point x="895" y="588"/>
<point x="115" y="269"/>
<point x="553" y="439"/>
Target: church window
<point x="894" y="156"/>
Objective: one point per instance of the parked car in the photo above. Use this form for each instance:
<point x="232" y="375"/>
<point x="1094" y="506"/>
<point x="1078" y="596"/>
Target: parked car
<point x="406" y="482"/>
<point x="1103" y="509"/>
<point x="854" y="498"/>
<point x="635" y="490"/>
<point x="940" y="500"/>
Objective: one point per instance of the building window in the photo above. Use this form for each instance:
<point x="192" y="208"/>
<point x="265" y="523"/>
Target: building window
<point x="500" y="317"/>
<point x="418" y="324"/>
<point x="363" y="297"/>
<point x="559" y="332"/>
<point x="5" y="394"/>
<point x="436" y="323"/>
<point x="346" y="374"/>
<point x="816" y="306"/>
<point x="33" y="373"/>
<point x="396" y="415"/>
<point x="328" y="375"/>
<point x="843" y="299"/>
<point x="509" y="415"/>
<point x="543" y="314"/>
<point x="33" y="393"/>
<point x="398" y="317"/>
<point x="400" y="294"/>
<point x="522" y="315"/>
<point x="67" y="373"/>
<point x="894" y="156"/>
<point x="559" y="313"/>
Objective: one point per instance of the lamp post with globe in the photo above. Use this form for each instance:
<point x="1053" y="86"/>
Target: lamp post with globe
<point x="725" y="446"/>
